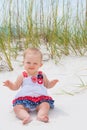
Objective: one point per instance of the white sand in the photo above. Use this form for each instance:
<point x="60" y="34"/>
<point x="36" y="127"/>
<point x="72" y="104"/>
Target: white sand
<point x="70" y="112"/>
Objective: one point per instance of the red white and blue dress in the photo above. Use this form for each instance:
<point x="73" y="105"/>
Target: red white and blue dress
<point x="32" y="92"/>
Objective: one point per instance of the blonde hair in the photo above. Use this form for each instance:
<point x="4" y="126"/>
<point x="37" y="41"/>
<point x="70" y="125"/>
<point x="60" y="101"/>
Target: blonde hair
<point x="33" y="50"/>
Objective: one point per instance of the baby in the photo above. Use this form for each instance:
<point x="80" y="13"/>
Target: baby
<point x="33" y="94"/>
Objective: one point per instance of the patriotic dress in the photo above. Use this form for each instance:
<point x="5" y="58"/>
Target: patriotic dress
<point x="32" y="92"/>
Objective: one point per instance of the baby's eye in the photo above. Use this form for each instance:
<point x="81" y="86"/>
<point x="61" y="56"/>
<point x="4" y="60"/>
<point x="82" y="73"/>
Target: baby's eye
<point x="28" y="62"/>
<point x="35" y="63"/>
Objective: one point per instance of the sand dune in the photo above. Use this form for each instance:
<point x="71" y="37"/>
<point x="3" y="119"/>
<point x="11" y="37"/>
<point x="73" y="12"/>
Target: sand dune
<point x="70" y="112"/>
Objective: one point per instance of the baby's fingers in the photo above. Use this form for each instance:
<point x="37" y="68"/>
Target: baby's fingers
<point x="6" y="83"/>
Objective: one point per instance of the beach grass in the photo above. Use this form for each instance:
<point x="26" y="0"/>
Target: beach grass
<point x="32" y="22"/>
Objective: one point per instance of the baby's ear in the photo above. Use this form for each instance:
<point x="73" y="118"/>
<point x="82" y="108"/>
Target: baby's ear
<point x="41" y="65"/>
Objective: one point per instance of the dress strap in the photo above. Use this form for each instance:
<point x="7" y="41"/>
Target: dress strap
<point x="40" y="77"/>
<point x="25" y="74"/>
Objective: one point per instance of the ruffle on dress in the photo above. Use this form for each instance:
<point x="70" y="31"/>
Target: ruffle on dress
<point x="33" y="102"/>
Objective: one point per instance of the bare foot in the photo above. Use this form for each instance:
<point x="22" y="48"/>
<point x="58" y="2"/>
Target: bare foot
<point x="43" y="119"/>
<point x="26" y="120"/>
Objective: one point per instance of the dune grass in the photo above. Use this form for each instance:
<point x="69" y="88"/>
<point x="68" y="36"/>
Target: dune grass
<point x="31" y="22"/>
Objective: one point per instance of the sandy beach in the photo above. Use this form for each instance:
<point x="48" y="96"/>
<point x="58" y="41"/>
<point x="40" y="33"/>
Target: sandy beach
<point x="70" y="95"/>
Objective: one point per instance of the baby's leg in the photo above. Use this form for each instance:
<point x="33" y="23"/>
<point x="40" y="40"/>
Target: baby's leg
<point x="43" y="110"/>
<point x="22" y="114"/>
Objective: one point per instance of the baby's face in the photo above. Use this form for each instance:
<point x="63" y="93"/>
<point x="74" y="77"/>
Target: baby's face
<point x="32" y="63"/>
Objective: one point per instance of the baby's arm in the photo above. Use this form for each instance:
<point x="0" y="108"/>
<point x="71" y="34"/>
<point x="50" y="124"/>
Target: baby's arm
<point x="49" y="84"/>
<point x="14" y="85"/>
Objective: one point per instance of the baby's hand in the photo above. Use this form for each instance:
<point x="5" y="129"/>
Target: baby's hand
<point x="54" y="82"/>
<point x="7" y="83"/>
